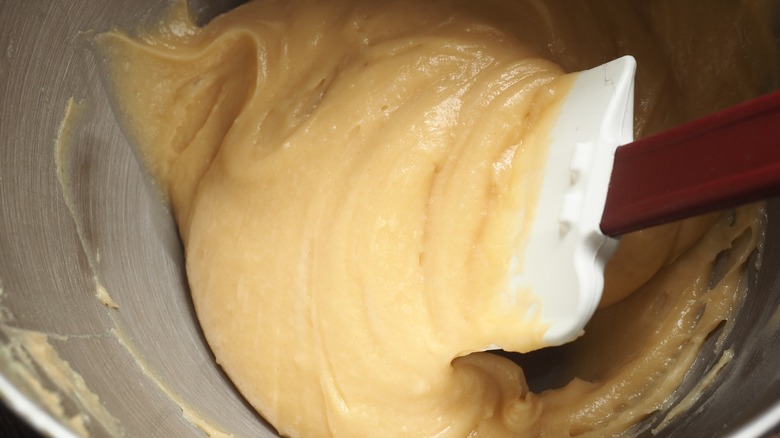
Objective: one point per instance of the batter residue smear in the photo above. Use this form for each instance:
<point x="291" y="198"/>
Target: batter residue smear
<point x="351" y="178"/>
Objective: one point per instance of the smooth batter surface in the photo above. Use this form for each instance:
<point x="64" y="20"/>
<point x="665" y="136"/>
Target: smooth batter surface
<point x="351" y="178"/>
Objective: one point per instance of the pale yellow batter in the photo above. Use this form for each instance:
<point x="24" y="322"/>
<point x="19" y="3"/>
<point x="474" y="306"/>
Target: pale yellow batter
<point x="351" y="178"/>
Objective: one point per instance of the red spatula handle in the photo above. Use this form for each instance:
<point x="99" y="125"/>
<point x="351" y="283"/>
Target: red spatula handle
<point x="720" y="161"/>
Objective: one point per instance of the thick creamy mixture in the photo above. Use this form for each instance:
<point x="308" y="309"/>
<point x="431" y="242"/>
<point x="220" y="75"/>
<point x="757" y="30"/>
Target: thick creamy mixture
<point x="351" y="178"/>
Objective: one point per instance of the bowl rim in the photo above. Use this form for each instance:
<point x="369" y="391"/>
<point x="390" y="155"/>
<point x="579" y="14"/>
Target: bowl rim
<point x="33" y="414"/>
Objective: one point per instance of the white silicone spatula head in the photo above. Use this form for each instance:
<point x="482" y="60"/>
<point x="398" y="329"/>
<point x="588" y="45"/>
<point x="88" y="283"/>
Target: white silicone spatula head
<point x="563" y="262"/>
<point x="592" y="189"/>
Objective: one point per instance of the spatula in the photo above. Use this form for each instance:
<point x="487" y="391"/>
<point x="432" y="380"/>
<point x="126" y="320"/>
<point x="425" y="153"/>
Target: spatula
<point x="594" y="191"/>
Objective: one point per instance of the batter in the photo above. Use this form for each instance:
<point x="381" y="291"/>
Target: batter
<point x="351" y="178"/>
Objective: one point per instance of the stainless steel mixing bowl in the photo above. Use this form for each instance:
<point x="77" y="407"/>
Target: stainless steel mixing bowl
<point x="146" y="368"/>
